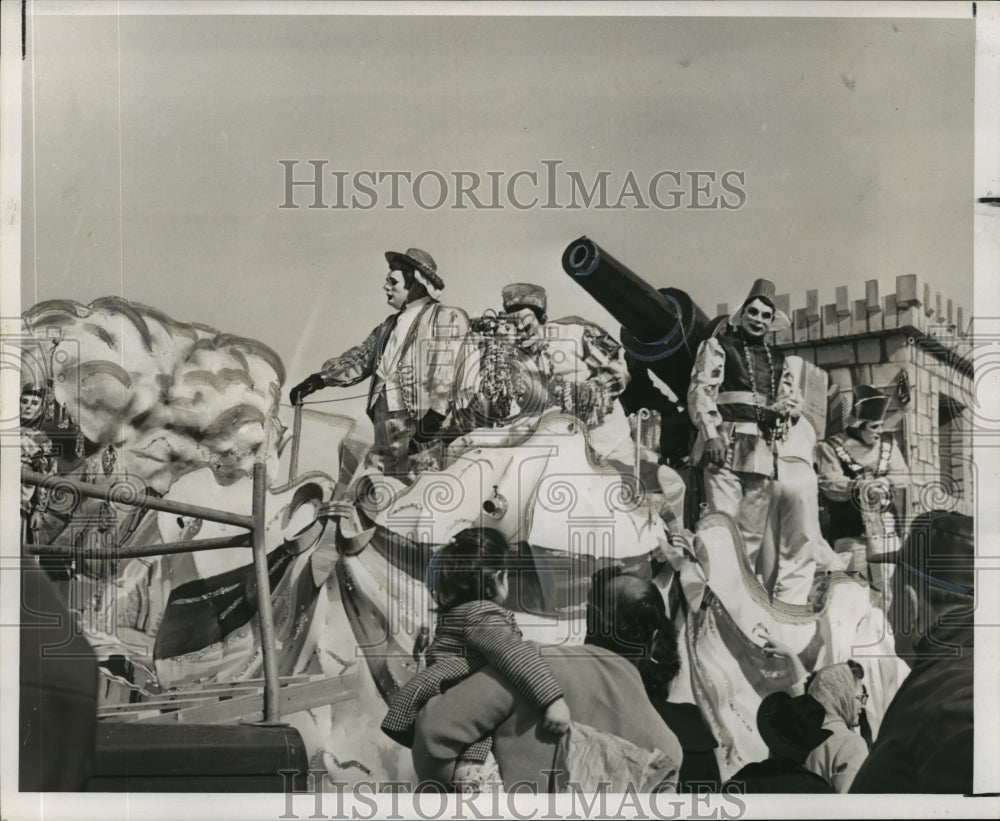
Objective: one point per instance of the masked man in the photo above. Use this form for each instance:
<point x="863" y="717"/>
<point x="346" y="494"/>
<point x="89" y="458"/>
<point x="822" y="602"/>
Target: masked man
<point x="410" y="358"/>
<point x="743" y="400"/>
<point x="857" y="469"/>
<point x="580" y="369"/>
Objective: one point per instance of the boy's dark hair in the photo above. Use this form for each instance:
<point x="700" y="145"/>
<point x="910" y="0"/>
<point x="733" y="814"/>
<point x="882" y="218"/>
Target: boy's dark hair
<point x="466" y="569"/>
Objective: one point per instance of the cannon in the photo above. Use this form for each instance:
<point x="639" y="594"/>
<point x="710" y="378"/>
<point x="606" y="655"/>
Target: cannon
<point x="661" y="331"/>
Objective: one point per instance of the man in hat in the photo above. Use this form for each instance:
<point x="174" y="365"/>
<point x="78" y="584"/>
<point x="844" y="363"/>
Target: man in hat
<point x="925" y="741"/>
<point x="791" y="727"/>
<point x="743" y="400"/>
<point x="856" y="470"/>
<point x="410" y="358"/>
<point x="576" y="365"/>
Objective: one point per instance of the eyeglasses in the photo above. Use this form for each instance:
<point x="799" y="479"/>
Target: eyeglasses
<point x="863" y="697"/>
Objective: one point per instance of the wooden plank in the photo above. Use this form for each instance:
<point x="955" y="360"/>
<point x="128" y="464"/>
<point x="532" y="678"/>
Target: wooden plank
<point x="243" y="682"/>
<point x="169" y="704"/>
<point x="195" y="694"/>
<point x="249" y="708"/>
<point x="221" y="690"/>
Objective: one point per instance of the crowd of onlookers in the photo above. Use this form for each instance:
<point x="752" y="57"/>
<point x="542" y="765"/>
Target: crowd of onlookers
<point x="492" y="707"/>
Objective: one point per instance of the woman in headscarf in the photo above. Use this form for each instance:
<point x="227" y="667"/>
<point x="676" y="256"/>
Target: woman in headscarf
<point x="840" y="689"/>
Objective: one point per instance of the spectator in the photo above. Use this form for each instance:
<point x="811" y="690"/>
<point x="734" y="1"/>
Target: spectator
<point x="841" y="691"/>
<point x="616" y="738"/>
<point x="791" y="728"/>
<point x="635" y="607"/>
<point x="468" y="579"/>
<point x="924" y="744"/>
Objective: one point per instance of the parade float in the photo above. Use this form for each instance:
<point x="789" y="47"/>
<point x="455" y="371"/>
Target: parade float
<point x="234" y="561"/>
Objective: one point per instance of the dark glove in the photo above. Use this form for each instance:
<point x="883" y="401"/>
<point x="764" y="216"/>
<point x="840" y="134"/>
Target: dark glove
<point x="310" y="385"/>
<point x="428" y="428"/>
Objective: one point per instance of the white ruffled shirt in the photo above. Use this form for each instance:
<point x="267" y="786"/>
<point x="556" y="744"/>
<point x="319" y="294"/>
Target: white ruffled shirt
<point x="386" y="370"/>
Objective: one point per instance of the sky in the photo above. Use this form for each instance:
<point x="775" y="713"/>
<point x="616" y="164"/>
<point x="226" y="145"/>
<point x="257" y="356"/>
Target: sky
<point x="152" y="149"/>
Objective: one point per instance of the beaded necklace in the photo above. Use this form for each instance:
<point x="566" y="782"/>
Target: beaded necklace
<point x="748" y="355"/>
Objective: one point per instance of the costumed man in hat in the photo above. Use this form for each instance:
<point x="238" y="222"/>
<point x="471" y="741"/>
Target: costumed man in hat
<point x="410" y="358"/>
<point x="856" y="470"/>
<point x="925" y="741"/>
<point x="743" y="400"/>
<point x="572" y="364"/>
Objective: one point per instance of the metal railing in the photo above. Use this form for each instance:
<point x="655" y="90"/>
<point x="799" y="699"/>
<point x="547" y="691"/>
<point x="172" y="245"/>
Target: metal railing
<point x="124" y="494"/>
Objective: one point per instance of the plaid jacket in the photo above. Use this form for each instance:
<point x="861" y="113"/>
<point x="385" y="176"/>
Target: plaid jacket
<point x="468" y="638"/>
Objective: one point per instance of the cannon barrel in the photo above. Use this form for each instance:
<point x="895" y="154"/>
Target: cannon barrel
<point x="661" y="328"/>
